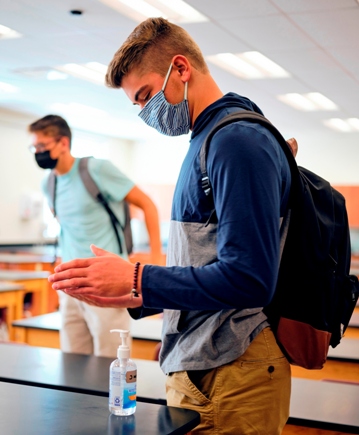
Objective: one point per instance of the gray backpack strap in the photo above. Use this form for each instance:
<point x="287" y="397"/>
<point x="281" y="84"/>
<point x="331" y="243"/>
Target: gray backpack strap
<point x="86" y="178"/>
<point x="51" y="189"/>
<point x="94" y="191"/>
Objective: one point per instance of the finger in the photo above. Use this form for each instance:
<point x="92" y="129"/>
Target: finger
<point x="68" y="274"/>
<point x="118" y="302"/>
<point x="99" y="252"/>
<point x="81" y="285"/>
<point x="292" y="142"/>
<point x="74" y="264"/>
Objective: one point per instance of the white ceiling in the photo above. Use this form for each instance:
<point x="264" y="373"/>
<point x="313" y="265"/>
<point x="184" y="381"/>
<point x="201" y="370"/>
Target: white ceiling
<point x="317" y="41"/>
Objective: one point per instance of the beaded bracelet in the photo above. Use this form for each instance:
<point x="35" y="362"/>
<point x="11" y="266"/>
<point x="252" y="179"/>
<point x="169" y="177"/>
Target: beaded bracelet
<point x="134" y="292"/>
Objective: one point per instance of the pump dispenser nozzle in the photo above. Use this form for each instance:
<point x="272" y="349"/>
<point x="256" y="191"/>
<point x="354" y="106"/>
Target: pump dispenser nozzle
<point x="123" y="351"/>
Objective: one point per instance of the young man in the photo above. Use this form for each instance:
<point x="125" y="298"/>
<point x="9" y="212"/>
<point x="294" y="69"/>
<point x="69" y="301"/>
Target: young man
<point x="85" y="328"/>
<point x="218" y="349"/>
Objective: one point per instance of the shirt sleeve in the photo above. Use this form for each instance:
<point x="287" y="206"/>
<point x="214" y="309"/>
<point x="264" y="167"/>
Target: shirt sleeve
<point x="113" y="183"/>
<point x="245" y="168"/>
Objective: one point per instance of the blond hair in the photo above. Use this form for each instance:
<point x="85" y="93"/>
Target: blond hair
<point x="150" y="48"/>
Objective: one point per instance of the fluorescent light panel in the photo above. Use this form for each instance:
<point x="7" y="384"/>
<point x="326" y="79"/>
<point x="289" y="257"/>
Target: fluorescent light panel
<point x="7" y="33"/>
<point x="6" y="88"/>
<point x="310" y="102"/>
<point x="248" y="65"/>
<point x="174" y="10"/>
<point x="56" y="75"/>
<point x="343" y="125"/>
<point x="91" y="71"/>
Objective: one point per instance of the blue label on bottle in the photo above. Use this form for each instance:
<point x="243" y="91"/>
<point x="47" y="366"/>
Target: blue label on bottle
<point x="129" y="397"/>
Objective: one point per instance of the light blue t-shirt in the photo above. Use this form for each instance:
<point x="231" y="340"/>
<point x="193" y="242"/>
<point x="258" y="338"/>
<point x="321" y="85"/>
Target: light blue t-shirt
<point x="83" y="220"/>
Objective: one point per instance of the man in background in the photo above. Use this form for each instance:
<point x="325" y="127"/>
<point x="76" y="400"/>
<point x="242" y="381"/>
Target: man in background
<point x="85" y="328"/>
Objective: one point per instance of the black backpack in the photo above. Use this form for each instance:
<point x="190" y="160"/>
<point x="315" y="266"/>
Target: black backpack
<point x="95" y="193"/>
<point x="315" y="295"/>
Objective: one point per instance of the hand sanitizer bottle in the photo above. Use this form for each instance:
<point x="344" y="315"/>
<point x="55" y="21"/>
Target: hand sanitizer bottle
<point x="123" y="377"/>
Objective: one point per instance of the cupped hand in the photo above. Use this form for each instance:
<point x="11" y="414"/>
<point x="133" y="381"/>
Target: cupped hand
<point x="104" y="276"/>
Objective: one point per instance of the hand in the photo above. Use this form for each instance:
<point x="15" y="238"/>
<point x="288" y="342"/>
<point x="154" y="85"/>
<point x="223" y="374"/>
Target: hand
<point x="119" y="302"/>
<point x="103" y="280"/>
<point x="293" y="146"/>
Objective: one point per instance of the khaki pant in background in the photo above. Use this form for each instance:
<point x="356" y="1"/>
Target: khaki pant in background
<point x="249" y="396"/>
<point x="86" y="328"/>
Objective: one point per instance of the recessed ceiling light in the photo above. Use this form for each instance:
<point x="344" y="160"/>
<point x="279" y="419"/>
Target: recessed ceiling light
<point x="248" y="65"/>
<point x="78" y="109"/>
<point x="7" y="33"/>
<point x="175" y="10"/>
<point x="343" y="125"/>
<point x="56" y="75"/>
<point x="312" y="101"/>
<point x="91" y="71"/>
<point x="6" y="88"/>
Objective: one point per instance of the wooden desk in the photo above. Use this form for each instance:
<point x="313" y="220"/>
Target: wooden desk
<point x="11" y="298"/>
<point x="347" y="350"/>
<point x="44" y="331"/>
<point x="146" y="336"/>
<point x="33" y="282"/>
<point x="322" y="404"/>
<point x="34" y="262"/>
<point x="41" y="411"/>
<point x="39" y="330"/>
<point x="325" y="405"/>
<point x="354" y="321"/>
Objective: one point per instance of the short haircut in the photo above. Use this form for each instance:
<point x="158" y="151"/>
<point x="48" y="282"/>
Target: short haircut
<point x="51" y="125"/>
<point x="150" y="48"/>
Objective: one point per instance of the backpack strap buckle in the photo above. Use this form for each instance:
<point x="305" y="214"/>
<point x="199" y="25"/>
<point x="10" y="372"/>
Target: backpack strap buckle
<point x="206" y="185"/>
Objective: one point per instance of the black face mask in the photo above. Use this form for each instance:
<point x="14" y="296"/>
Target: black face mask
<point x="45" y="161"/>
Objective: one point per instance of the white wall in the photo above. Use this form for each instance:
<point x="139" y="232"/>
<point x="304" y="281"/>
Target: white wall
<point x="19" y="175"/>
<point x="334" y="156"/>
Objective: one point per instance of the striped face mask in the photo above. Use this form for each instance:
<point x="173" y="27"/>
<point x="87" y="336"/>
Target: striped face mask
<point x="166" y="118"/>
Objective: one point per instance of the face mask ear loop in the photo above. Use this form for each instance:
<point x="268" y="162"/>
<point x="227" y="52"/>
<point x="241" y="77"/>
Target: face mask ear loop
<point x="167" y="77"/>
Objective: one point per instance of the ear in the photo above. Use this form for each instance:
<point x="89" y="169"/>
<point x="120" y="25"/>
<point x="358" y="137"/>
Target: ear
<point x="182" y="66"/>
<point x="65" y="143"/>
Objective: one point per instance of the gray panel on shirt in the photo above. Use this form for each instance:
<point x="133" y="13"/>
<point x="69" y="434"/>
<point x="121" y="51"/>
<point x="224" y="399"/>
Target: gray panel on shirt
<point x="198" y="340"/>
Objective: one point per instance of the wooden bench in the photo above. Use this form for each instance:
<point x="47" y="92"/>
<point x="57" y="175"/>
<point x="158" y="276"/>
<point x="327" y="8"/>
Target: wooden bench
<point x="314" y="404"/>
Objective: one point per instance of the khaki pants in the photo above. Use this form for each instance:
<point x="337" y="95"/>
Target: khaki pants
<point x="249" y="396"/>
<point x="86" y="328"/>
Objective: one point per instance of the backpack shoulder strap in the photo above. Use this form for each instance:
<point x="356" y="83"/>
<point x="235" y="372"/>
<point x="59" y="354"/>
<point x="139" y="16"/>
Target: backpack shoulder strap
<point x="51" y="189"/>
<point x="242" y="115"/>
<point x="94" y="191"/>
<point x="86" y="178"/>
